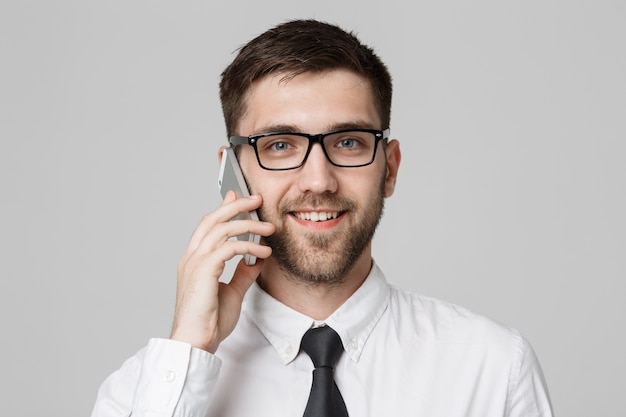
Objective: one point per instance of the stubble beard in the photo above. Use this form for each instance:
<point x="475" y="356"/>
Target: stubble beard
<point x="324" y="257"/>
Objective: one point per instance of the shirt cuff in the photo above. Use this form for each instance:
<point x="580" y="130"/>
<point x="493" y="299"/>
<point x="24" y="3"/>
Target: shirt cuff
<point x="176" y="380"/>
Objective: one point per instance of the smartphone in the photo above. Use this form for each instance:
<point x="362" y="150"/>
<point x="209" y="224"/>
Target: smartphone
<point x="231" y="178"/>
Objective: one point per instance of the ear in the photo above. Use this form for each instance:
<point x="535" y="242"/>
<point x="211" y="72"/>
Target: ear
<point x="220" y="154"/>
<point x="393" y="164"/>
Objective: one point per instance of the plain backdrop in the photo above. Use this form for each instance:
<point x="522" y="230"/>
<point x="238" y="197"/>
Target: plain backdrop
<point x="510" y="201"/>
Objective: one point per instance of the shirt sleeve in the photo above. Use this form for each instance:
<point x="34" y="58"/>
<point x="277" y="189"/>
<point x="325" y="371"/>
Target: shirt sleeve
<point x="528" y="392"/>
<point x="166" y="378"/>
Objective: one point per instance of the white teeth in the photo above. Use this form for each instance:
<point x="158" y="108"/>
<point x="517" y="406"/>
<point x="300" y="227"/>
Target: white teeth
<point x="316" y="216"/>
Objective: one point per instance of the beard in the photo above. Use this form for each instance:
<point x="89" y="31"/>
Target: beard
<point x="324" y="257"/>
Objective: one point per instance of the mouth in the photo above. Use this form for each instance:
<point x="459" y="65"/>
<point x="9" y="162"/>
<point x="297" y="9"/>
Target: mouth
<point x="316" y="216"/>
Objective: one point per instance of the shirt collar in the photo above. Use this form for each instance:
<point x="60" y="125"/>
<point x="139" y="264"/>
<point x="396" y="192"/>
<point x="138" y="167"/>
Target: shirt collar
<point x="354" y="321"/>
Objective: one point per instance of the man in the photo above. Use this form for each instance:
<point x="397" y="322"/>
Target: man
<point x="320" y="198"/>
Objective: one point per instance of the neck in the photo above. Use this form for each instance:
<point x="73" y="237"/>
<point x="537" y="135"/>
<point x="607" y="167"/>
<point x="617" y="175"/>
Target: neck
<point x="317" y="300"/>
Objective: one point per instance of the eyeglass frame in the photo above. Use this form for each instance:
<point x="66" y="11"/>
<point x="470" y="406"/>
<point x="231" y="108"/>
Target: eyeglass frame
<point x="313" y="138"/>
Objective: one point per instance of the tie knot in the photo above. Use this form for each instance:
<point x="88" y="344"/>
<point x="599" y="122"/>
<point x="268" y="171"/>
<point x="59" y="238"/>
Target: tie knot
<point x="323" y="345"/>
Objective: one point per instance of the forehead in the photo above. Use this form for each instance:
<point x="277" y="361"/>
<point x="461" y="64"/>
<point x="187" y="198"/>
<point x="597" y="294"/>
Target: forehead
<point x="312" y="102"/>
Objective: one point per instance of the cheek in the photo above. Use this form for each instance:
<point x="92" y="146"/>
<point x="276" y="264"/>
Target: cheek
<point x="273" y="193"/>
<point x="270" y="185"/>
<point x="370" y="181"/>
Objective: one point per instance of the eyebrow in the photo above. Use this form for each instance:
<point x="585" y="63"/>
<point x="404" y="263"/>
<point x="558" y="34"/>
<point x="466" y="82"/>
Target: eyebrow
<point x="275" y="128"/>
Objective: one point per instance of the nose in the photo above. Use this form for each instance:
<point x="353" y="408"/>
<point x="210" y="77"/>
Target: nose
<point x="317" y="175"/>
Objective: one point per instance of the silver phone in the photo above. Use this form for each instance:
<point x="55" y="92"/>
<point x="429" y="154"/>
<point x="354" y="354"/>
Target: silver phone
<point x="231" y="178"/>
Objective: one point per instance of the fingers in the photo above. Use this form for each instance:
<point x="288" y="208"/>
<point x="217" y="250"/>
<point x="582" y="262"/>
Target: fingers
<point x="228" y="249"/>
<point x="207" y="310"/>
<point x="213" y="242"/>
<point x="230" y="208"/>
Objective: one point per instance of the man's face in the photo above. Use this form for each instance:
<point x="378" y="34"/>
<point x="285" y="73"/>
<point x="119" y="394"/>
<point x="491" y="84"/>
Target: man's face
<point x="325" y="216"/>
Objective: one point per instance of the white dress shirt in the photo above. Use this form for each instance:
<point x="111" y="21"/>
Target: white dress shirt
<point x="405" y="355"/>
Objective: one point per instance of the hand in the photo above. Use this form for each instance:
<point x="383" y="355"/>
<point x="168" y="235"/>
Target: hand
<point x="207" y="310"/>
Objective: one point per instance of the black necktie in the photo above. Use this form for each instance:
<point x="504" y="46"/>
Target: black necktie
<point x="323" y="345"/>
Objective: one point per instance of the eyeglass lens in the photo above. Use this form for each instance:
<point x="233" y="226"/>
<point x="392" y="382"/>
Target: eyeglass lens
<point x="283" y="151"/>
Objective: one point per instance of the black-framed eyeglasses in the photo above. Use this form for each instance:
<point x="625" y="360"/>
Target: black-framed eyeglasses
<point x="281" y="151"/>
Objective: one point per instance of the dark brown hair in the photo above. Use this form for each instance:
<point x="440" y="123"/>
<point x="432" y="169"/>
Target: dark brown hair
<point x="296" y="47"/>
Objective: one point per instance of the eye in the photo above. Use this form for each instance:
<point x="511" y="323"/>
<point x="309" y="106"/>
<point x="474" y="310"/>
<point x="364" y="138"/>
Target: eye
<point x="348" y="143"/>
<point x="279" y="146"/>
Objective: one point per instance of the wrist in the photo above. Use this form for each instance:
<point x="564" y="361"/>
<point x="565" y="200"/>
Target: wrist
<point x="196" y="340"/>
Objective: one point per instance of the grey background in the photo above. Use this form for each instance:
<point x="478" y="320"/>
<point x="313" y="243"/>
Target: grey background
<point x="510" y="199"/>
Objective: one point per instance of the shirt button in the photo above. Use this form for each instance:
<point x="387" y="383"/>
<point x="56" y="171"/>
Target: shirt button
<point x="288" y="350"/>
<point x="353" y="345"/>
<point x="169" y="376"/>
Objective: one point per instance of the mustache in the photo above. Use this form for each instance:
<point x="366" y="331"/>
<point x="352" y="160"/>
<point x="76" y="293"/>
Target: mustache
<point x="326" y="201"/>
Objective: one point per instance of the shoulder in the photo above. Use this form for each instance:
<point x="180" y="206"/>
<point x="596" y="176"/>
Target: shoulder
<point x="429" y="318"/>
<point x="467" y="346"/>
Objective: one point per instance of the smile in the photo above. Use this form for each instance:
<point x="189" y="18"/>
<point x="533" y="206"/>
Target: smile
<point x="315" y="216"/>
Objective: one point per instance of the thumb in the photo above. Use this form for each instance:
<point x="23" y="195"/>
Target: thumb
<point x="244" y="276"/>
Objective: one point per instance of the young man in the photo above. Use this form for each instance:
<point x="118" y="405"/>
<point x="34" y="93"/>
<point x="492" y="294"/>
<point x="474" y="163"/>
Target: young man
<point x="307" y="107"/>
